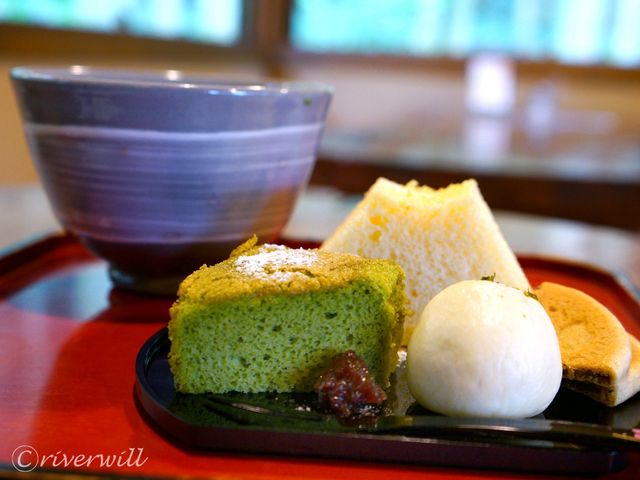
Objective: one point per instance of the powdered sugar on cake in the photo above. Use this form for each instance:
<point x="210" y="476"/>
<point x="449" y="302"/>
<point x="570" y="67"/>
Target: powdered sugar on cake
<point x="275" y="262"/>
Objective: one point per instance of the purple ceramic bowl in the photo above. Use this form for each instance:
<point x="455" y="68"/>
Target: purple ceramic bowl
<point x="161" y="173"/>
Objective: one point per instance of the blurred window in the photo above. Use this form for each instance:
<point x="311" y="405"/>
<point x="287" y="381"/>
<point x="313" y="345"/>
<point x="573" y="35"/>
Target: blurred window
<point x="210" y="21"/>
<point x="567" y="31"/>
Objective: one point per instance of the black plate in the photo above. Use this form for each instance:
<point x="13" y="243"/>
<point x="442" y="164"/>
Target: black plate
<point x="295" y="426"/>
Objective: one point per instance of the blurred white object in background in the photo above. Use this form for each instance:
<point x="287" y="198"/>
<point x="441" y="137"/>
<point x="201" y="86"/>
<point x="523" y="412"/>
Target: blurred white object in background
<point x="487" y="140"/>
<point x="540" y="113"/>
<point x="490" y="85"/>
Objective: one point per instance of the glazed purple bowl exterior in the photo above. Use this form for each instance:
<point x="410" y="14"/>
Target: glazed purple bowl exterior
<point x="161" y="173"/>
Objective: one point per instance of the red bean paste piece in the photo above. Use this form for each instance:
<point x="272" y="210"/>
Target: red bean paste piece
<point x="347" y="388"/>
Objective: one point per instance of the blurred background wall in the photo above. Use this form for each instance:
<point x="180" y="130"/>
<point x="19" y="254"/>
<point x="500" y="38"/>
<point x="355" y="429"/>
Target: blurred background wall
<point x="543" y="91"/>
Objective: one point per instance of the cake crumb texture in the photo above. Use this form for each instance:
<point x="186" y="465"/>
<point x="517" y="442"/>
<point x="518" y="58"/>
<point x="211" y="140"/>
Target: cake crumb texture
<point x="270" y="318"/>
<point x="439" y="237"/>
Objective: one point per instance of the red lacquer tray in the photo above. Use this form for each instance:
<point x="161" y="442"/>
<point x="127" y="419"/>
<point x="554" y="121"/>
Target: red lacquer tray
<point x="68" y="346"/>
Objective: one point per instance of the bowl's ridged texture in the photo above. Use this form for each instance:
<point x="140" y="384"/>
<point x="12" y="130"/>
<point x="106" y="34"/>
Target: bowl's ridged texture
<point x="160" y="176"/>
<point x="140" y="186"/>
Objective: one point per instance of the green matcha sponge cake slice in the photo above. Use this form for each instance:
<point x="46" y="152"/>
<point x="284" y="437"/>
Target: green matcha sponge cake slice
<point x="270" y="318"/>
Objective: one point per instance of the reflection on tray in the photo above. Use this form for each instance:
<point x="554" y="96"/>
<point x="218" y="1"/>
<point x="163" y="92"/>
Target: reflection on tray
<point x="293" y="424"/>
<point x="572" y="406"/>
<point x="571" y="418"/>
<point x="300" y="412"/>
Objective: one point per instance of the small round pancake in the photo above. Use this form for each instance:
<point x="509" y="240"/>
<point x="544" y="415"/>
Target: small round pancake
<point x="594" y="345"/>
<point x="625" y="388"/>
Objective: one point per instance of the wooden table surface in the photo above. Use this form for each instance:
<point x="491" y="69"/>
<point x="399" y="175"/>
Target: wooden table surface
<point x="577" y="163"/>
<point x="50" y="398"/>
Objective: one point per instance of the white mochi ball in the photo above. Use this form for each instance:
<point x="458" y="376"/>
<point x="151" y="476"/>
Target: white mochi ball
<point x="484" y="349"/>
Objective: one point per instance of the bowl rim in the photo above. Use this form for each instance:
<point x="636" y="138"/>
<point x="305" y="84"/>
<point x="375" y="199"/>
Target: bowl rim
<point x="173" y="79"/>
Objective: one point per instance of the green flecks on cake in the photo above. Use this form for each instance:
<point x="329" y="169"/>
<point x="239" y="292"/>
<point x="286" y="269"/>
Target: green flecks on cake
<point x="271" y="318"/>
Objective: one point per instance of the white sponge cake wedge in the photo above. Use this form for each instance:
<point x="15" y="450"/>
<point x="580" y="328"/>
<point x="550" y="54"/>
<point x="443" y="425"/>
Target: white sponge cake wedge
<point x="439" y="237"/>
